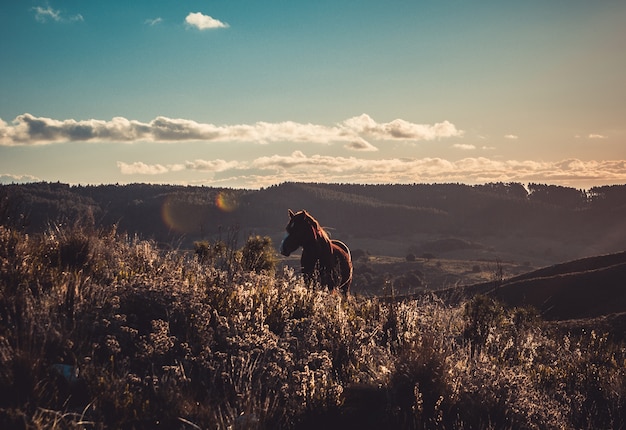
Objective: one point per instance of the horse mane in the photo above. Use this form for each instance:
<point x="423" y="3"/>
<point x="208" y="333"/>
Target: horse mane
<point x="319" y="230"/>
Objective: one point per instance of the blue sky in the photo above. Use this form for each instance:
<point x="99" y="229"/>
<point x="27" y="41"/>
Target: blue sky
<point x="249" y="94"/>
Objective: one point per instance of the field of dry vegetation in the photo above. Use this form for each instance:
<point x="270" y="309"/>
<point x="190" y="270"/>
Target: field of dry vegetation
<point x="100" y="330"/>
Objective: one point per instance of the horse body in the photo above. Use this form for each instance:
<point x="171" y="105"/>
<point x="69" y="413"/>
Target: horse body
<point x="330" y="259"/>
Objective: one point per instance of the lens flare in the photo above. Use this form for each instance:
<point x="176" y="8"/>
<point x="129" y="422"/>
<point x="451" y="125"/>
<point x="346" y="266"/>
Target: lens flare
<point x="226" y="202"/>
<point x="170" y="215"/>
<point x="182" y="217"/>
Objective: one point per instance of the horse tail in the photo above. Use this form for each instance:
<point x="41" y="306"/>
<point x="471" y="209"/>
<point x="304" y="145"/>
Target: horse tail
<point x="347" y="265"/>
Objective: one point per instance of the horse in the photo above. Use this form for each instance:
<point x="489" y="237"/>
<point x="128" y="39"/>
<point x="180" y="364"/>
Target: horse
<point x="329" y="259"/>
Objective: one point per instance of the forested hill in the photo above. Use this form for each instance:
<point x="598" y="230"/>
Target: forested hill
<point x="179" y="215"/>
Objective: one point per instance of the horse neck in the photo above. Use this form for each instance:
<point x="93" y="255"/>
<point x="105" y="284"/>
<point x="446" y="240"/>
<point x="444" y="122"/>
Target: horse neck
<point x="319" y="247"/>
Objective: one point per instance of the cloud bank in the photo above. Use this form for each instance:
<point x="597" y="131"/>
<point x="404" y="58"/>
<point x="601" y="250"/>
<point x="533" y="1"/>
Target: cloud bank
<point x="204" y="22"/>
<point x="17" y="179"/>
<point x="297" y="166"/>
<point x="354" y="133"/>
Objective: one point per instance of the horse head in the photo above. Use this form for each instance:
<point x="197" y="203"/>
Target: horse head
<point x="304" y="231"/>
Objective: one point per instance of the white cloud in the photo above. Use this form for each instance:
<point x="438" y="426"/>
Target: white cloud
<point x="297" y="160"/>
<point x="267" y="170"/>
<point x="204" y="22"/>
<point x="27" y="129"/>
<point x="43" y="14"/>
<point x="17" y="179"/>
<point x="400" y="129"/>
<point x="139" y="168"/>
<point x="596" y="136"/>
<point x="464" y="146"/>
<point x="511" y="136"/>
<point x="212" y="165"/>
<point x="153" y="21"/>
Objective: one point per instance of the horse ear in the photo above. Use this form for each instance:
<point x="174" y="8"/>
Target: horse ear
<point x="291" y="214"/>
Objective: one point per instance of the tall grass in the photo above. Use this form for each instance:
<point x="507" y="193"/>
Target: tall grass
<point x="100" y="330"/>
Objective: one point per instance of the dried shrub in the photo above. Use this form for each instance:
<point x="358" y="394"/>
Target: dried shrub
<point x="102" y="330"/>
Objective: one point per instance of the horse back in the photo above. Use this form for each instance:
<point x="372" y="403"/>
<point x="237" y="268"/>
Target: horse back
<point x="343" y="246"/>
<point x="337" y="263"/>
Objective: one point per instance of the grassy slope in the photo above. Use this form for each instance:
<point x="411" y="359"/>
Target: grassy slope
<point x="160" y="339"/>
<point x="583" y="288"/>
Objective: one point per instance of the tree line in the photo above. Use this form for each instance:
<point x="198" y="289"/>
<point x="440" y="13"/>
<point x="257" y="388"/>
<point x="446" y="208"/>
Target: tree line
<point x="182" y="214"/>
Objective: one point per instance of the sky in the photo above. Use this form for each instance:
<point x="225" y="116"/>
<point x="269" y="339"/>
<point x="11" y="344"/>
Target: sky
<point x="248" y="94"/>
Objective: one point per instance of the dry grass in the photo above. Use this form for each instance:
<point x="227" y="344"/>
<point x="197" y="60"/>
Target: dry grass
<point x="100" y="330"/>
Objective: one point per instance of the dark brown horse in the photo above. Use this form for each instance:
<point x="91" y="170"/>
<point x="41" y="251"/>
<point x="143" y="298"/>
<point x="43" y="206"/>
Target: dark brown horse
<point x="329" y="259"/>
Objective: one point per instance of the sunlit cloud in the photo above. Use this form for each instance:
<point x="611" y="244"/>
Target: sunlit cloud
<point x="212" y="165"/>
<point x="27" y="129"/>
<point x="596" y="136"/>
<point x="297" y="161"/>
<point x="324" y="168"/>
<point x="464" y="146"/>
<point x="511" y="136"/>
<point x="400" y="129"/>
<point x="139" y="168"/>
<point x="204" y="22"/>
<point x="47" y="13"/>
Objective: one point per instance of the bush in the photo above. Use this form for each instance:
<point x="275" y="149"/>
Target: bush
<point x="151" y="338"/>
<point x="211" y="254"/>
<point x="482" y="316"/>
<point x="258" y="254"/>
<point x="428" y="256"/>
<point x="359" y="254"/>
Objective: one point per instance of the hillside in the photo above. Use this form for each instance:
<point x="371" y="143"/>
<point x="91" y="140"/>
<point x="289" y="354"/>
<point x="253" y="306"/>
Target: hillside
<point x="580" y="289"/>
<point x="104" y="330"/>
<point x="533" y="223"/>
<point x="585" y="294"/>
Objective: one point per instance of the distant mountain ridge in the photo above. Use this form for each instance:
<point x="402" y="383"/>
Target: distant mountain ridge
<point x="440" y="217"/>
<point x="593" y="221"/>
